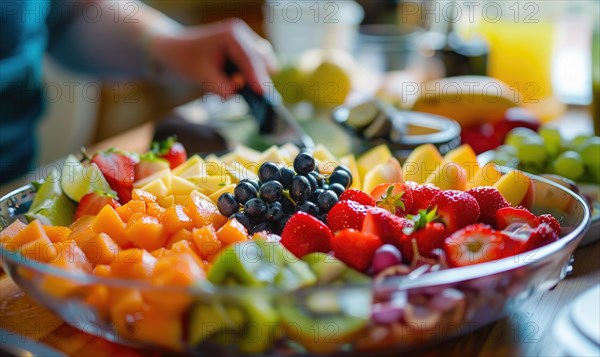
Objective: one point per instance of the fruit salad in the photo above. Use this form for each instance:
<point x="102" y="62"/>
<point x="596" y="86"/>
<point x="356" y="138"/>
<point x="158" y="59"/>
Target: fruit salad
<point x="288" y="225"/>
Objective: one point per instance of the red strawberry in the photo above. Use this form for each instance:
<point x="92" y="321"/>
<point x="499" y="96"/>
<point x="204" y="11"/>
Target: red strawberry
<point x="92" y="203"/>
<point x="171" y="150"/>
<point x="422" y="195"/>
<point x="456" y="209"/>
<point x="346" y="214"/>
<point x="509" y="215"/>
<point x="551" y="221"/>
<point x="119" y="170"/>
<point x="490" y="200"/>
<point x="355" y="248"/>
<point x="474" y="244"/>
<point x="395" y="197"/>
<point x="387" y="226"/>
<point x="358" y="196"/>
<point x="428" y="238"/>
<point x="149" y="164"/>
<point x="541" y="235"/>
<point x="305" y="234"/>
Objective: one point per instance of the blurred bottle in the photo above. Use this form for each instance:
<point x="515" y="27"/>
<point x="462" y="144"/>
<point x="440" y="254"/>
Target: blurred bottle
<point x="596" y="77"/>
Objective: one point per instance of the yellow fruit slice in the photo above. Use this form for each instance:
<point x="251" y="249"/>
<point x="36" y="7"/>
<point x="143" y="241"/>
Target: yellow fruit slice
<point x="488" y="175"/>
<point x="193" y="164"/>
<point x="157" y="188"/>
<point x="215" y="195"/>
<point x="421" y="163"/>
<point x="375" y="156"/>
<point x="390" y="171"/>
<point x="449" y="176"/>
<point x="325" y="159"/>
<point x="515" y="186"/>
<point x="465" y="157"/>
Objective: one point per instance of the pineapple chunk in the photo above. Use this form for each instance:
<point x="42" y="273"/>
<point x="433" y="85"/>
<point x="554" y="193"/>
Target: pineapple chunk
<point x="375" y="156"/>
<point x="157" y="188"/>
<point x="215" y="195"/>
<point x="350" y="162"/>
<point x="181" y="186"/>
<point x="192" y="163"/>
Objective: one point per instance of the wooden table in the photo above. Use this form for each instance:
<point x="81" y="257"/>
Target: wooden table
<point x="526" y="332"/>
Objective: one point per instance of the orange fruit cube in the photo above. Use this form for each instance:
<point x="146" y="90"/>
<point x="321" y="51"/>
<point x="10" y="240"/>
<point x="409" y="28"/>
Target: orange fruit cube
<point x="133" y="264"/>
<point x="141" y="195"/>
<point x="204" y="212"/>
<point x="175" y="219"/>
<point x="130" y="208"/>
<point x="41" y="250"/>
<point x="11" y="231"/>
<point x="108" y="221"/>
<point x="146" y="232"/>
<point x="33" y="231"/>
<point x="182" y="234"/>
<point x="102" y="270"/>
<point x="101" y="249"/>
<point x="71" y="257"/>
<point x="185" y="246"/>
<point x="155" y="210"/>
<point x="160" y="327"/>
<point x="57" y="233"/>
<point x="82" y="230"/>
<point x="232" y="232"/>
<point x="207" y="242"/>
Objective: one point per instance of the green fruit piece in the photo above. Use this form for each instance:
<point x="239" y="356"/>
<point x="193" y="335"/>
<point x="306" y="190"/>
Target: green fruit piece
<point x="294" y="274"/>
<point x="78" y="179"/>
<point x="362" y="115"/>
<point x="208" y="319"/>
<point x="575" y="143"/>
<point x="325" y="319"/>
<point x="325" y="266"/>
<point x="552" y="139"/>
<point x="258" y="334"/>
<point x="517" y="135"/>
<point x="504" y="159"/>
<point x="507" y="149"/>
<point x="590" y="154"/>
<point x="50" y="206"/>
<point x="569" y="165"/>
<point x="290" y="82"/>
<point x="532" y="150"/>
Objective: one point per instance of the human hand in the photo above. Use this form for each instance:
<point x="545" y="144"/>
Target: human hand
<point x="199" y="54"/>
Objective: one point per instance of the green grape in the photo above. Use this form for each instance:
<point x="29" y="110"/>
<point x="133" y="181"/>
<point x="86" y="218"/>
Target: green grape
<point x="505" y="159"/>
<point x="517" y="135"/>
<point x="532" y="150"/>
<point x="577" y="141"/>
<point x="552" y="139"/>
<point x="590" y="154"/>
<point x="569" y="165"/>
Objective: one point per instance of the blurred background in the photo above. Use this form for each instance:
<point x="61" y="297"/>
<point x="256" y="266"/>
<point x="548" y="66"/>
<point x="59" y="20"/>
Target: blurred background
<point x="543" y="53"/>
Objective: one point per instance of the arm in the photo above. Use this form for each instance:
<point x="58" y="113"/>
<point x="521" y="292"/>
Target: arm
<point x="125" y="39"/>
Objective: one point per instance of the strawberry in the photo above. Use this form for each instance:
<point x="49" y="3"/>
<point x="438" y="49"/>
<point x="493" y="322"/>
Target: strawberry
<point x="456" y="209"/>
<point x="490" y="200"/>
<point x="427" y="233"/>
<point x="395" y="197"/>
<point x="387" y="226"/>
<point x="509" y="215"/>
<point x="474" y="244"/>
<point x="542" y="234"/>
<point x="358" y="196"/>
<point x="422" y="195"/>
<point x="171" y="150"/>
<point x="551" y="221"/>
<point x="305" y="234"/>
<point x="119" y="170"/>
<point x="346" y="214"/>
<point x="92" y="203"/>
<point x="355" y="248"/>
<point x="149" y="164"/>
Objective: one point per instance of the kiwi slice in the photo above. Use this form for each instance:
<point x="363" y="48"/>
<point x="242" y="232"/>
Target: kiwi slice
<point x="330" y="270"/>
<point x="362" y="115"/>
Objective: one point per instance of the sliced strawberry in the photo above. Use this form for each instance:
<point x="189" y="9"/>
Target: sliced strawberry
<point x="171" y="150"/>
<point x="305" y="234"/>
<point x="119" y="170"/>
<point x="395" y="197"/>
<point x="474" y="244"/>
<point x="358" y="196"/>
<point x="346" y="214"/>
<point x="456" y="209"/>
<point x="427" y="239"/>
<point x="92" y="203"/>
<point x="490" y="200"/>
<point x="387" y="226"/>
<point x="542" y="234"/>
<point x="509" y="215"/>
<point x="551" y="221"/>
<point x="355" y="248"/>
<point x="422" y="195"/>
<point x="149" y="163"/>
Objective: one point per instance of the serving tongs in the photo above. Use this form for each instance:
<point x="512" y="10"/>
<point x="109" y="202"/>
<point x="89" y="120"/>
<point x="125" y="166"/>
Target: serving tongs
<point x="275" y="123"/>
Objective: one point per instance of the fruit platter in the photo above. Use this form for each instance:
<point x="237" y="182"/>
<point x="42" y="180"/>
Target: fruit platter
<point x="286" y="251"/>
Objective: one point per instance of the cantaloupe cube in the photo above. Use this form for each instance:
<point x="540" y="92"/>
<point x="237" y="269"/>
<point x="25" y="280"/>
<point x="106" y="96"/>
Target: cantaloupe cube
<point x="102" y="270"/>
<point x="100" y="249"/>
<point x="146" y="233"/>
<point x="162" y="328"/>
<point x="175" y="219"/>
<point x="82" y="230"/>
<point x="203" y="212"/>
<point x="11" y="231"/>
<point x="33" y="232"/>
<point x="141" y="195"/>
<point x="41" y="250"/>
<point x="133" y="263"/>
<point x="207" y="242"/>
<point x="155" y="210"/>
<point x="232" y="232"/>
<point x="130" y="208"/>
<point x="185" y="246"/>
<point x="57" y="233"/>
<point x="182" y="234"/>
<point x="109" y="222"/>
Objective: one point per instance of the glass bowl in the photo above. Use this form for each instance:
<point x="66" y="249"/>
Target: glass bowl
<point x="391" y="314"/>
